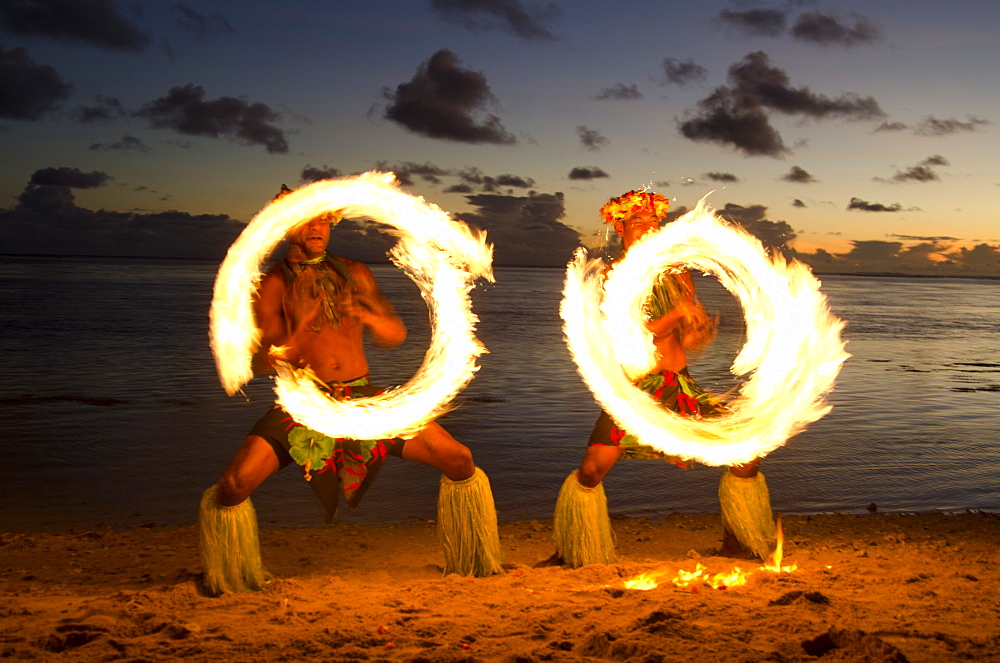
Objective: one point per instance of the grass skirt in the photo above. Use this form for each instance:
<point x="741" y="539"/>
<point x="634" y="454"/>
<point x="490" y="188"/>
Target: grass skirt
<point x="581" y="527"/>
<point x="467" y="526"/>
<point x="746" y="512"/>
<point x="229" y="547"/>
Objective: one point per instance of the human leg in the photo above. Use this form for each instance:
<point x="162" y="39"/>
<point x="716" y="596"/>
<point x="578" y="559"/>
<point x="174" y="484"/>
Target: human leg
<point x="597" y="462"/>
<point x="467" y="518"/>
<point x="228" y="541"/>
<point x="581" y="526"/>
<point x="748" y="528"/>
<point x="436" y="447"/>
<point x="254" y="462"/>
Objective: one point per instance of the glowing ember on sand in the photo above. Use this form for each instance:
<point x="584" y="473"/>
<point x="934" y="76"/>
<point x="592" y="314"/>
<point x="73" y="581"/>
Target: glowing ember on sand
<point x="698" y="577"/>
<point x="793" y="345"/>
<point x="442" y="256"/>
<point x="689" y="579"/>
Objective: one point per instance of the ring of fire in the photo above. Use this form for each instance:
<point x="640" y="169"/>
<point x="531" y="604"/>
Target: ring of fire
<point x="442" y="256"/>
<point x="793" y="347"/>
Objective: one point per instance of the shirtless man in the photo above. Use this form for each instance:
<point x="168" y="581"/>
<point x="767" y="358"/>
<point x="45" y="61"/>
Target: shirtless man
<point x="316" y="306"/>
<point x="678" y="323"/>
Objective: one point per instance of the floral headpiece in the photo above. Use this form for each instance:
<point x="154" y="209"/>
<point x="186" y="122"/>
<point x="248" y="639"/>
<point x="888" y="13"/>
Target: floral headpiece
<point x="635" y="203"/>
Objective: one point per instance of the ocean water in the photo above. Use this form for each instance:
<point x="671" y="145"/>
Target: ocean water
<point x="112" y="412"/>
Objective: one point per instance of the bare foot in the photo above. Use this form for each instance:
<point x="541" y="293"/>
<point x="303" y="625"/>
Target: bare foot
<point x="554" y="560"/>
<point x="731" y="547"/>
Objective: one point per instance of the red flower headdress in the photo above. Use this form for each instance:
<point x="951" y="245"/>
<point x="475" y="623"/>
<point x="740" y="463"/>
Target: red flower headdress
<point x="635" y="203"/>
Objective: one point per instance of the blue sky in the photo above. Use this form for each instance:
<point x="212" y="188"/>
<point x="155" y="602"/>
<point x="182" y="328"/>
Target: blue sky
<point x="860" y="135"/>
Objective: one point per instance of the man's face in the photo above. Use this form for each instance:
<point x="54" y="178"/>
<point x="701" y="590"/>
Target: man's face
<point x="312" y="237"/>
<point x="634" y="227"/>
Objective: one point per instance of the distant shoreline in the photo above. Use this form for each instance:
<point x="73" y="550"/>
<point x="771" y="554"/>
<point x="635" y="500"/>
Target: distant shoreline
<point x="980" y="277"/>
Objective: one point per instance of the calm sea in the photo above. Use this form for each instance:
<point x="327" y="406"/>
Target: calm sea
<point x="112" y="412"/>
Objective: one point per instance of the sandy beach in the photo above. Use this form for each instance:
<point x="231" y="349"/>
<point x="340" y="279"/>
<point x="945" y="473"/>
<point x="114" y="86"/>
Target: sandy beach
<point x="922" y="587"/>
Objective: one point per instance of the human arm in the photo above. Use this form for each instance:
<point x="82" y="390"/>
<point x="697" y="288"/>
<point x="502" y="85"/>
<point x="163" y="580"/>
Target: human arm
<point x="371" y="308"/>
<point x="687" y="317"/>
<point x="270" y="318"/>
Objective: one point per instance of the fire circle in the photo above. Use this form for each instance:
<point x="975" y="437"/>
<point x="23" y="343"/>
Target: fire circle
<point x="793" y="350"/>
<point x="442" y="256"/>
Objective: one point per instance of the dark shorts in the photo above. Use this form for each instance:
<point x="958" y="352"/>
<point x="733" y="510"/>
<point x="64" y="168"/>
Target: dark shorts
<point x="353" y="464"/>
<point x="676" y="391"/>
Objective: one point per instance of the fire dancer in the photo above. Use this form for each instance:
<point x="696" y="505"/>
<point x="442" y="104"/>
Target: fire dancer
<point x="314" y="306"/>
<point x="679" y="324"/>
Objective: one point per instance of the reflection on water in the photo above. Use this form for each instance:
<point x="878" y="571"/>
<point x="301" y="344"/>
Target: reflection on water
<point x="113" y="412"/>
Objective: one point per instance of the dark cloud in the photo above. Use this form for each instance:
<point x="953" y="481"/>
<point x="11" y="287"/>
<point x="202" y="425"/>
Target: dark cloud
<point x="680" y="72"/>
<point x="515" y="181"/>
<point x="94" y="22"/>
<point x="512" y="16"/>
<point x="757" y="22"/>
<point x="935" y="160"/>
<point x="28" y="90"/>
<point x="874" y="251"/>
<point x="892" y="126"/>
<point x="200" y="25"/>
<point x="930" y="256"/>
<point x="69" y="177"/>
<point x="620" y="91"/>
<point x="591" y="138"/>
<point x="75" y="230"/>
<point x="798" y="175"/>
<point x="311" y="173"/>
<point x="736" y="115"/>
<point x="525" y="230"/>
<point x="865" y="206"/>
<point x="798" y="203"/>
<point x="921" y="238"/>
<point x="827" y="29"/>
<point x="126" y="144"/>
<point x="473" y="177"/>
<point x="922" y="172"/>
<point x="815" y="27"/>
<point x="981" y="258"/>
<point x="587" y="173"/>
<point x="723" y="118"/>
<point x="69" y="229"/>
<point x="916" y="174"/>
<point x="185" y="110"/>
<point x="759" y="83"/>
<point x="407" y="170"/>
<point x="442" y="100"/>
<point x="721" y="177"/>
<point x="459" y="188"/>
<point x="362" y="239"/>
<point x="774" y="235"/>
<point x="932" y="126"/>
<point x="879" y="256"/>
<point x="104" y="109"/>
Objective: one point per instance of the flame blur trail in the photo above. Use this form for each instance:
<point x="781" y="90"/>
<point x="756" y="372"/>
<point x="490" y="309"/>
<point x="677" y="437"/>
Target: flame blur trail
<point x="442" y="256"/>
<point x="793" y="350"/>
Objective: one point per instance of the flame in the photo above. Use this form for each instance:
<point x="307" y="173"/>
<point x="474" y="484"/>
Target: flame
<point x="793" y="347"/>
<point x="685" y="579"/>
<point x="442" y="256"/>
<point x="646" y="581"/>
<point x="735" y="578"/>
<point x="773" y="563"/>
